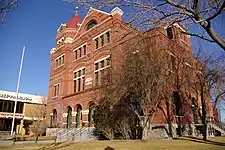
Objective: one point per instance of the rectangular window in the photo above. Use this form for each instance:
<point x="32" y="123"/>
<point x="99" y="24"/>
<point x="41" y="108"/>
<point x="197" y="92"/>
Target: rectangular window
<point x="83" y="79"/>
<point x="96" y="78"/>
<point x="101" y="71"/>
<point x="60" y="61"/>
<point x="75" y="55"/>
<point x="108" y="36"/>
<point x="102" y="75"/>
<point x="1" y="104"/>
<point x="83" y="71"/>
<point x="102" y="40"/>
<point x="80" y="50"/>
<point x="78" y="81"/>
<point x="74" y="86"/>
<point x="63" y="59"/>
<point x="96" y="66"/>
<point x="56" y="62"/>
<point x="19" y="107"/>
<point x="96" y="43"/>
<point x="102" y="63"/>
<point x="169" y="33"/>
<point x="79" y="73"/>
<point x="75" y="74"/>
<point x="78" y="53"/>
<point x="56" y="90"/>
<point x="85" y="49"/>
<point x="79" y="85"/>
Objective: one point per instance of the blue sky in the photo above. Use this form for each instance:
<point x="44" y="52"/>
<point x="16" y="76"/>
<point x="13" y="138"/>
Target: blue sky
<point x="33" y="24"/>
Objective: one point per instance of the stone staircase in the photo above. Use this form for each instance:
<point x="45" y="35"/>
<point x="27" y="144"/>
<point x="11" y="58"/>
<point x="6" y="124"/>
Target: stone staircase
<point x="72" y="134"/>
<point x="216" y="127"/>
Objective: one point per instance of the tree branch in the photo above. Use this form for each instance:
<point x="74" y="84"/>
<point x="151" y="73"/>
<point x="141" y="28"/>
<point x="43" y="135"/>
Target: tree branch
<point x="213" y="35"/>
<point x="179" y="6"/>
<point x="218" y="12"/>
<point x="200" y="36"/>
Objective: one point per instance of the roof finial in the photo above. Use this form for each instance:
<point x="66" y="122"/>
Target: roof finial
<point x="76" y="9"/>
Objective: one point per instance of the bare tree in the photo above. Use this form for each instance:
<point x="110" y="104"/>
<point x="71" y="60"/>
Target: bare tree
<point x="40" y="124"/>
<point x="5" y="7"/>
<point x="209" y="85"/>
<point x="149" y="14"/>
<point x="138" y="85"/>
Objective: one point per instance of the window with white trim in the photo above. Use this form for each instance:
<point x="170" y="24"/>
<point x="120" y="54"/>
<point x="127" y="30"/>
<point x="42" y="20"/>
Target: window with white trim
<point x="56" y="90"/>
<point x="171" y="62"/>
<point x="101" y="71"/>
<point x="80" y="51"/>
<point x="169" y="32"/>
<point x="59" y="61"/>
<point x="102" y="39"/>
<point x="79" y="80"/>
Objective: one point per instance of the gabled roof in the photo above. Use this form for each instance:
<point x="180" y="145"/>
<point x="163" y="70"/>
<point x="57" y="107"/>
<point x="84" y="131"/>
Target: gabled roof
<point x="90" y="11"/>
<point x="93" y="9"/>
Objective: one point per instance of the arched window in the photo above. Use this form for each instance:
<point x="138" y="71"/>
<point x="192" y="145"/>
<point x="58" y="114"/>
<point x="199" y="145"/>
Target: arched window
<point x="90" y="114"/>
<point x="69" y="117"/>
<point x="91" y="24"/>
<point x="79" y="116"/>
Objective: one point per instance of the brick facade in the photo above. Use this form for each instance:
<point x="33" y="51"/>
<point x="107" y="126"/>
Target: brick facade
<point x="70" y="38"/>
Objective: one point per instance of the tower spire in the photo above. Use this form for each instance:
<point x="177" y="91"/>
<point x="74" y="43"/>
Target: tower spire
<point x="76" y="10"/>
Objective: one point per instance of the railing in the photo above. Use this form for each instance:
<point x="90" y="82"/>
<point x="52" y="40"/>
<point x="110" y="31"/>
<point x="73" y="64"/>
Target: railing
<point x="216" y="127"/>
<point x="75" y="134"/>
<point x="55" y="132"/>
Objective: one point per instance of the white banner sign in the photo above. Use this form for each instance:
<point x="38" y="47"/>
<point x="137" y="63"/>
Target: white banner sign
<point x="10" y="115"/>
<point x="27" y="98"/>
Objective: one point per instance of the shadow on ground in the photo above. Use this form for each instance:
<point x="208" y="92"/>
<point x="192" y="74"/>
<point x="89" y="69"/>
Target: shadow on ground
<point x="109" y="148"/>
<point x="198" y="140"/>
<point x="54" y="146"/>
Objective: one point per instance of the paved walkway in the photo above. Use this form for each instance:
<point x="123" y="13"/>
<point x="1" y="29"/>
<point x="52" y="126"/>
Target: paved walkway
<point x="10" y="142"/>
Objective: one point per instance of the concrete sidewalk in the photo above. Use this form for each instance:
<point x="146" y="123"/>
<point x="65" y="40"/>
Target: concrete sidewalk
<point x="10" y="142"/>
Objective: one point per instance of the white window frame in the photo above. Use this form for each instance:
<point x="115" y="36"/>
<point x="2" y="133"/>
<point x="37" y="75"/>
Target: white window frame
<point x="80" y="77"/>
<point x="57" y="94"/>
<point x="99" y="41"/>
<point x="81" y="46"/>
<point x="99" y="69"/>
<point x="60" y="57"/>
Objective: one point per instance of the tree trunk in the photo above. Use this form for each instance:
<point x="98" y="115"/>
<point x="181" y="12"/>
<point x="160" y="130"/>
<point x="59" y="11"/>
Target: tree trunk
<point x="145" y="128"/>
<point x="204" y="121"/>
<point x="144" y="133"/>
<point x="36" y="139"/>
<point x="169" y="120"/>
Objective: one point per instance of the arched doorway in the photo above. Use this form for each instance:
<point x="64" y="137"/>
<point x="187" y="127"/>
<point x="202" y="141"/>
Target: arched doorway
<point x="90" y="114"/>
<point x="78" y="116"/>
<point x="54" y="118"/>
<point x="69" y="117"/>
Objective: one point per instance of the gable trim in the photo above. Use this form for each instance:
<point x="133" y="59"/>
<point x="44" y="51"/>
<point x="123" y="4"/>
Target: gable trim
<point x="88" y="14"/>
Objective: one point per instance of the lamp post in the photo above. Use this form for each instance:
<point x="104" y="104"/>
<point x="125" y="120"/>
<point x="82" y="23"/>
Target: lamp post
<point x="17" y="90"/>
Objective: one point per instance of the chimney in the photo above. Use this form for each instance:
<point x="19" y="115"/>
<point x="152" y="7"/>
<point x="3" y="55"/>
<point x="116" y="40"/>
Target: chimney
<point x="117" y="12"/>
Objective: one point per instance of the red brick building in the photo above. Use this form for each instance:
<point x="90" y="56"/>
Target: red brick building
<point x="84" y="49"/>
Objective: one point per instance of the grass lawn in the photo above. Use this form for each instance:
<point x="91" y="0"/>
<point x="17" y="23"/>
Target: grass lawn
<point x="217" y="143"/>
